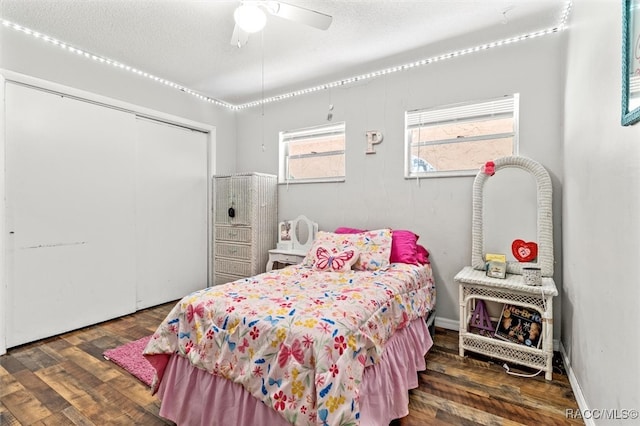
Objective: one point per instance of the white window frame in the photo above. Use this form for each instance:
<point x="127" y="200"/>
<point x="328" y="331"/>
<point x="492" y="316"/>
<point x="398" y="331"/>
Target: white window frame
<point x="467" y="111"/>
<point x="288" y="136"/>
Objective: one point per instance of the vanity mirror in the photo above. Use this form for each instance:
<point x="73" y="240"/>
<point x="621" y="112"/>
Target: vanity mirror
<point x="542" y="208"/>
<point x="295" y="238"/>
<point x="297" y="234"/>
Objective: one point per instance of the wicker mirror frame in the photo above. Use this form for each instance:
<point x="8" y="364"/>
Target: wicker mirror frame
<point x="544" y="215"/>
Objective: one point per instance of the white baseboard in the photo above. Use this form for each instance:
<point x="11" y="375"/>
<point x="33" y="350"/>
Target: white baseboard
<point x="447" y="323"/>
<point x="450" y="324"/>
<point x="575" y="386"/>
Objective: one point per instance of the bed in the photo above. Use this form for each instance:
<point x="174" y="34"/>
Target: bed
<point x="336" y="340"/>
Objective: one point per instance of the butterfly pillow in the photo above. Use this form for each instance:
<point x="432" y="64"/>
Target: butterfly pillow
<point x="327" y="240"/>
<point x="334" y="260"/>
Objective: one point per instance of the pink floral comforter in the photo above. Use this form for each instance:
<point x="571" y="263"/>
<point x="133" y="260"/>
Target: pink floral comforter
<point x="296" y="338"/>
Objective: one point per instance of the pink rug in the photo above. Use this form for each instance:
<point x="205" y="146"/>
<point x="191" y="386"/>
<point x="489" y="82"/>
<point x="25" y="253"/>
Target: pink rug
<point x="129" y="357"/>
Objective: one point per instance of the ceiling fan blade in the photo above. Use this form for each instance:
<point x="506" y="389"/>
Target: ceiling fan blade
<point x="239" y="37"/>
<point x="302" y="15"/>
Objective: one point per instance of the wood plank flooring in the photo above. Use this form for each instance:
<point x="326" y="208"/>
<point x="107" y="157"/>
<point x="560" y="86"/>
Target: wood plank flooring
<point x="65" y="380"/>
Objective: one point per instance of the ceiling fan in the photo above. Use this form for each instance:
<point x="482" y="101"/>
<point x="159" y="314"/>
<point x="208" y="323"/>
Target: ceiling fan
<point x="250" y="17"/>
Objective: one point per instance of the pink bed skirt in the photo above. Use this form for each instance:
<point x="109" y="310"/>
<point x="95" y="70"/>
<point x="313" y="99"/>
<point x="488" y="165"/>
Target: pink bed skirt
<point x="191" y="396"/>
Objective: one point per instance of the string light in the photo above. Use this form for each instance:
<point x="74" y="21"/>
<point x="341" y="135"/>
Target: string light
<point x="116" y="64"/>
<point x="404" y="67"/>
<point x="564" y="17"/>
<point x="338" y="83"/>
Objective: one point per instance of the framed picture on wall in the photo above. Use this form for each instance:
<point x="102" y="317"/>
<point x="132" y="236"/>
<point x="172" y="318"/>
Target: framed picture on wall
<point x="630" y="62"/>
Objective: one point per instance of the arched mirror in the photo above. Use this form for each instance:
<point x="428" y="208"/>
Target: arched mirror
<point x="300" y="232"/>
<point x="509" y="205"/>
<point x="303" y="232"/>
<point x="513" y="202"/>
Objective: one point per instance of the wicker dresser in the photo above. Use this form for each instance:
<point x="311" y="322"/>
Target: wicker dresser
<point x="245" y="224"/>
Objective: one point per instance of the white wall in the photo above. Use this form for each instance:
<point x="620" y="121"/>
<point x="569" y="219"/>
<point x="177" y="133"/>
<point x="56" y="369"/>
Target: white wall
<point x="375" y="193"/>
<point x="601" y="202"/>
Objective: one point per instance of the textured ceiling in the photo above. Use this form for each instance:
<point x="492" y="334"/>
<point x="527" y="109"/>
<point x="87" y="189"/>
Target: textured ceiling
<point x="188" y="41"/>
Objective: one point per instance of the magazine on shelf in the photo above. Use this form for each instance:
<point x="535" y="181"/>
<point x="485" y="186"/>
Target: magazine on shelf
<point x="520" y="325"/>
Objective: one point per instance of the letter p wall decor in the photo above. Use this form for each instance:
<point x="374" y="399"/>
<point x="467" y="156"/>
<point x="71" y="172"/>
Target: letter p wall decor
<point x="374" y="137"/>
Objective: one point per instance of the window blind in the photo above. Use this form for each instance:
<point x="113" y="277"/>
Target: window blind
<point x="312" y="132"/>
<point x="468" y="111"/>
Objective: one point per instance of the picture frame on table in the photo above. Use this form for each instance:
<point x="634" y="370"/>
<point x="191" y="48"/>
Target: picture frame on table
<point x="285" y="231"/>
<point x="496" y="269"/>
<point x="285" y="241"/>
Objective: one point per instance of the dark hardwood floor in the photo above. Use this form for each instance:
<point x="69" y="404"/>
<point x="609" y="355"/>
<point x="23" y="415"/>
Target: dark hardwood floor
<point x="65" y="380"/>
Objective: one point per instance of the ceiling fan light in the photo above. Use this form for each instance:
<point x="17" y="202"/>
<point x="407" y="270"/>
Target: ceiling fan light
<point x="250" y="18"/>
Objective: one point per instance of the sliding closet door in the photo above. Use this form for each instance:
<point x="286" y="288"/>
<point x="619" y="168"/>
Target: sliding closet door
<point x="70" y="187"/>
<point x="171" y="212"/>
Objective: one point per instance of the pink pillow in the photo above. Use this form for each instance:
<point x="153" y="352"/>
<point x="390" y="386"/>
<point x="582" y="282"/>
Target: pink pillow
<point x="404" y="247"/>
<point x="345" y="230"/>
<point x="423" y="255"/>
<point x="374" y="248"/>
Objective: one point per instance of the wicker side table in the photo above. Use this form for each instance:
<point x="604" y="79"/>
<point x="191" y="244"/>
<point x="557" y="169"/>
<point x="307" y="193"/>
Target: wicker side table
<point x="474" y="285"/>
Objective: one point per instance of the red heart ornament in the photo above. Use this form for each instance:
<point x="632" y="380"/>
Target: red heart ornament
<point x="524" y="251"/>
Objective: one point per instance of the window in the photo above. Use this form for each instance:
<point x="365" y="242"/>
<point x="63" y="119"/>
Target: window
<point x="458" y="139"/>
<point x="313" y="154"/>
